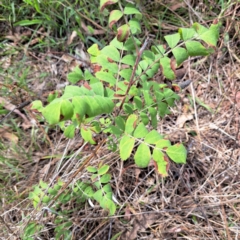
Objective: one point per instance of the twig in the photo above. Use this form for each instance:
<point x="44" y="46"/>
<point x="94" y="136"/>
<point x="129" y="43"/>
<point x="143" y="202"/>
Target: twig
<point x="139" y="54"/>
<point x="20" y="106"/>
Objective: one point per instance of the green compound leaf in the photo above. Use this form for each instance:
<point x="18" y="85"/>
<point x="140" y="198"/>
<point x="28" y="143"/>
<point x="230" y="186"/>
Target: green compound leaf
<point x="163" y="143"/>
<point x="209" y="36"/>
<point x="103" y="169"/>
<point x="180" y="55"/>
<point x="148" y="56"/>
<point x="138" y="102"/>
<point x="187" y="33"/>
<point x="195" y="48"/>
<point x="147" y="97"/>
<point x="142" y="156"/>
<point x="109" y="205"/>
<point x="153" y="114"/>
<point x="98" y="105"/>
<point x="52" y="112"/>
<point x="94" y="50"/>
<point x="106" y="77"/>
<point x="37" y="105"/>
<point x="75" y="76"/>
<point x="135" y="26"/>
<point x="163" y="109"/>
<point x="126" y="73"/>
<point x="161" y="161"/>
<point x="104" y="196"/>
<point x="91" y="169"/>
<point x="126" y="147"/>
<point x="106" y="64"/>
<point x="98" y="88"/>
<point x="72" y="91"/>
<point x="131" y="123"/>
<point x="98" y="195"/>
<point x="129" y="60"/>
<point x="144" y="118"/>
<point x="159" y="49"/>
<point x="199" y="28"/>
<point x="120" y="123"/>
<point x="143" y="64"/>
<point x="165" y="63"/>
<point x="130" y="9"/>
<point x="130" y="44"/>
<point x="53" y="95"/>
<point x="128" y="108"/>
<point x="172" y="39"/>
<point x="114" y="16"/>
<point x="212" y="36"/>
<point x="111" y="52"/>
<point x="114" y="130"/>
<point x="105" y="178"/>
<point x="177" y="153"/>
<point x="66" y="109"/>
<point x="69" y="131"/>
<point x="153" y="137"/>
<point x="108" y="189"/>
<point x="141" y="131"/>
<point x="87" y="135"/>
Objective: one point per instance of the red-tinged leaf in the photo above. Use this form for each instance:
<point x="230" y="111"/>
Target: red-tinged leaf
<point x="173" y="65"/>
<point x="104" y="3"/>
<point x="123" y="33"/>
<point x="161" y="162"/>
<point x="110" y="60"/>
<point x="176" y="88"/>
<point x="96" y="68"/>
<point x="114" y="16"/>
<point x="87" y="86"/>
<point x="111" y="52"/>
<point x="165" y="63"/>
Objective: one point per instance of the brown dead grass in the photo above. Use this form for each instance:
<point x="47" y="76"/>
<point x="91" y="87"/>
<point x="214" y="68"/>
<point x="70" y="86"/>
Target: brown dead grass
<point x="199" y="200"/>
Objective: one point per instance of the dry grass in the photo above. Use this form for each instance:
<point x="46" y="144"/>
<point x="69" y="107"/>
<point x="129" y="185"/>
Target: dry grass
<point x="199" y="200"/>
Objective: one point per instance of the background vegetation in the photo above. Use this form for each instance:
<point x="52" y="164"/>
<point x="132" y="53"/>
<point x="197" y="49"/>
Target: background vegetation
<point x="198" y="200"/>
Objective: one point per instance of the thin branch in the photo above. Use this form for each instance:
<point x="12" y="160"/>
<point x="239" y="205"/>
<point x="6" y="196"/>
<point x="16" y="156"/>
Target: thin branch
<point x="139" y="55"/>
